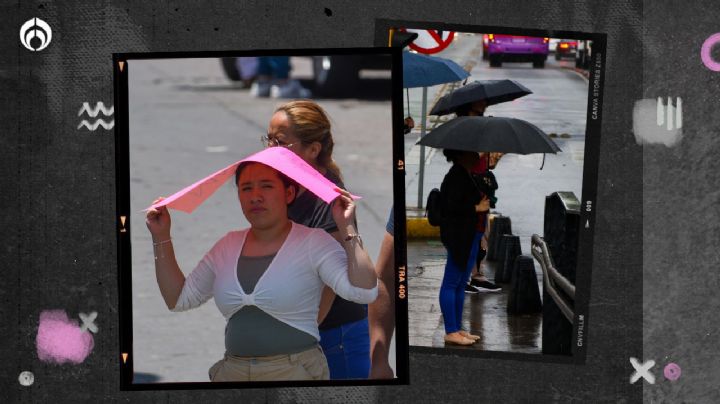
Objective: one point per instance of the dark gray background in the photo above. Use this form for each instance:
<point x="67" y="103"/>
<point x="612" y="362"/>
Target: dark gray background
<point x="681" y="231"/>
<point x="656" y="206"/>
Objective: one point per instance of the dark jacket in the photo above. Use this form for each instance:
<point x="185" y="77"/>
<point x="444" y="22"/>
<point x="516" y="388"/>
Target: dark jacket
<point x="457" y="231"/>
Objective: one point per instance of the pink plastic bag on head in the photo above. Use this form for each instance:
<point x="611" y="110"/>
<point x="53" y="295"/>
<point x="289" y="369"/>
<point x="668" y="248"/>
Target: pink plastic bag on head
<point x="279" y="158"/>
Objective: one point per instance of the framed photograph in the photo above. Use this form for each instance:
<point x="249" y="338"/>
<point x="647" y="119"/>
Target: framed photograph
<point x="501" y="164"/>
<point x="180" y="117"/>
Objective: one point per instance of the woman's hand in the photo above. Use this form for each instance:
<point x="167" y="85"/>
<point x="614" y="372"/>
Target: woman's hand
<point x="158" y="222"/>
<point x="343" y="209"/>
<point x="484" y="205"/>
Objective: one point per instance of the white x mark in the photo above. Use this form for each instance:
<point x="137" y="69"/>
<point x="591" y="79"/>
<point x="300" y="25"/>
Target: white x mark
<point x="88" y="322"/>
<point x="642" y="371"/>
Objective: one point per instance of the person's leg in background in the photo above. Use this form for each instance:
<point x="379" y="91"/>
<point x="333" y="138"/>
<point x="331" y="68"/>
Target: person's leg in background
<point x="381" y="312"/>
<point x="283" y="86"/>
<point x="248" y="67"/>
<point x="280" y="67"/>
<point x="347" y="349"/>
<point x="476" y="274"/>
<point x="452" y="281"/>
<point x="460" y="300"/>
<point x="261" y="86"/>
<point x="478" y="281"/>
<point x="356" y="345"/>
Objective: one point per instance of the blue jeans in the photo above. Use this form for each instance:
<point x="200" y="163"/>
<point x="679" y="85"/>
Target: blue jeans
<point x="452" y="289"/>
<point x="390" y="226"/>
<point x="278" y="67"/>
<point x="347" y="349"/>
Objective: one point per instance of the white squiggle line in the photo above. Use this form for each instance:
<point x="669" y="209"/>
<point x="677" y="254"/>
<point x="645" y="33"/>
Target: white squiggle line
<point x="99" y="122"/>
<point x="98" y="107"/>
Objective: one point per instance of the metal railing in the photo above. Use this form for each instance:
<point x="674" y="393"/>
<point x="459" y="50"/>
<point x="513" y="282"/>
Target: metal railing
<point x="553" y="281"/>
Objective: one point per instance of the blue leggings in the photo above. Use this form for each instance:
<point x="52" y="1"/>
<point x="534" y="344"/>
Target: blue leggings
<point x="347" y="350"/>
<point x="452" y="290"/>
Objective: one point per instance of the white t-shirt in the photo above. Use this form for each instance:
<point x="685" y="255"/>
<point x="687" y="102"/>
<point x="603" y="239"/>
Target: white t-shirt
<point x="290" y="288"/>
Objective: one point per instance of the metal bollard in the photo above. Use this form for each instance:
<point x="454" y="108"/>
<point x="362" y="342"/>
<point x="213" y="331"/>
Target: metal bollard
<point x="524" y="297"/>
<point x="509" y="253"/>
<point x="501" y="225"/>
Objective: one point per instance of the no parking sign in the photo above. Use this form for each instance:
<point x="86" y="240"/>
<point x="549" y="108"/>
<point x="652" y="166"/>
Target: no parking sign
<point x="431" y="41"/>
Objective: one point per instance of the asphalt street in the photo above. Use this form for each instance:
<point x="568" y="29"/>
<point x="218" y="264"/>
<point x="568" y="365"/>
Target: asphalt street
<point x="188" y="121"/>
<point x="557" y="106"/>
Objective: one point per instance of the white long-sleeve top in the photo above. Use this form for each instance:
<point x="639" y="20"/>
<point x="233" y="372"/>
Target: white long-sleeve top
<point x="290" y="288"/>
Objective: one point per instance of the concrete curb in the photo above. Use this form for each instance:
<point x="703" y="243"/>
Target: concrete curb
<point x="582" y="72"/>
<point x="418" y="227"/>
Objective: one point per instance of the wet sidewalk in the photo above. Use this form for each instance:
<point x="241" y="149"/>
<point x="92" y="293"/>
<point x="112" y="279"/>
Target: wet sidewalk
<point x="558" y="107"/>
<point x="485" y="313"/>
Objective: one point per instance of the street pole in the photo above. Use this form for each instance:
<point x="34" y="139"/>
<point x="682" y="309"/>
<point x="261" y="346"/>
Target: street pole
<point x="422" y="149"/>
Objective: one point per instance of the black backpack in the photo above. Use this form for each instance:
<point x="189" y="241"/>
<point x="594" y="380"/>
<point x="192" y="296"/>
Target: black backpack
<point x="434" y="207"/>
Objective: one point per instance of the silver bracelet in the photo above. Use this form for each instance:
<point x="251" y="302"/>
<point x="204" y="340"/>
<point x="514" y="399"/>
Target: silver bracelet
<point x="162" y="242"/>
<point x="162" y="251"/>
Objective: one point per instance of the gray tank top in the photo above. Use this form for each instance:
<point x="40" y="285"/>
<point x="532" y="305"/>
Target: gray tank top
<point x="251" y="331"/>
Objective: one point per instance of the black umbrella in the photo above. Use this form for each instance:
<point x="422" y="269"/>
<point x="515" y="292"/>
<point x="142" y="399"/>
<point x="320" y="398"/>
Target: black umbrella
<point x="490" y="134"/>
<point x="491" y="91"/>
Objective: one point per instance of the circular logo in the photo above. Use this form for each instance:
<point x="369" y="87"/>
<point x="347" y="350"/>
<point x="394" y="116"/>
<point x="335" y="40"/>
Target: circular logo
<point x="672" y="371"/>
<point x="35" y="34"/>
<point x="26" y="378"/>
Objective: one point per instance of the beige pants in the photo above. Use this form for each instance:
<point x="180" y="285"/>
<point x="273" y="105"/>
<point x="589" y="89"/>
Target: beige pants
<point x="306" y="365"/>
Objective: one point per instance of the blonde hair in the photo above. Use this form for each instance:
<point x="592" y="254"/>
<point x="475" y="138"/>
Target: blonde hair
<point x="310" y="123"/>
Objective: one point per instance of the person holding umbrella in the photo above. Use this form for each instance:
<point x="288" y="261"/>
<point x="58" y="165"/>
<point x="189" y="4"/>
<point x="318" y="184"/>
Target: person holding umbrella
<point x="472" y="100"/>
<point x="462" y="139"/>
<point x="462" y="201"/>
<point x="478" y="281"/>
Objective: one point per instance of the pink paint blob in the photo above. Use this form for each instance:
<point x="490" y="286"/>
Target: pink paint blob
<point x="705" y="54"/>
<point x="60" y="340"/>
<point x="672" y="371"/>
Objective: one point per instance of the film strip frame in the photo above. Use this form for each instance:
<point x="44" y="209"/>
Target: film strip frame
<point x="121" y="70"/>
<point x="384" y="32"/>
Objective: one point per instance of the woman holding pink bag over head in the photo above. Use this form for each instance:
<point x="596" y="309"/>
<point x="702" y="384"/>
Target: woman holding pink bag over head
<point x="267" y="280"/>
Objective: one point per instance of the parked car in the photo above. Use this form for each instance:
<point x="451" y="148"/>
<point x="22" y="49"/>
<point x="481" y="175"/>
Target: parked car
<point x="552" y="44"/>
<point x="565" y="48"/>
<point x="333" y="75"/>
<point x="336" y="75"/>
<point x="517" y="48"/>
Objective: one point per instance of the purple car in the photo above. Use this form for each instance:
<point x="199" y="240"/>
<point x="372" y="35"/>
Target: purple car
<point x="517" y="48"/>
